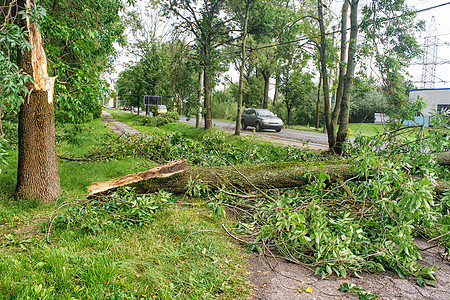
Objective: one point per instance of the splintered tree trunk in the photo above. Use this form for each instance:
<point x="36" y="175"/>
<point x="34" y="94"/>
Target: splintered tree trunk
<point x="37" y="176"/>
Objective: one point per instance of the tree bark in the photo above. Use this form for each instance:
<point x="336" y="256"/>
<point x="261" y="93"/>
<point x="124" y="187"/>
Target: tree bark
<point x="342" y="67"/>
<point x="247" y="177"/>
<point x="208" y="114"/>
<point x="348" y="84"/>
<point x="324" y="73"/>
<point x="37" y="175"/>
<point x="266" y="76"/>
<point x="318" y="103"/>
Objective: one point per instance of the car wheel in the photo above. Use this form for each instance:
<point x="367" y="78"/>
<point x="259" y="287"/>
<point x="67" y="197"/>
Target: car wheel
<point x="278" y="129"/>
<point x="258" y="127"/>
<point x="244" y="126"/>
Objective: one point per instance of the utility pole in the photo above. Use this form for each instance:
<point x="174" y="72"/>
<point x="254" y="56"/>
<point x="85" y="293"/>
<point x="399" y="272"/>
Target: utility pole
<point x="429" y="57"/>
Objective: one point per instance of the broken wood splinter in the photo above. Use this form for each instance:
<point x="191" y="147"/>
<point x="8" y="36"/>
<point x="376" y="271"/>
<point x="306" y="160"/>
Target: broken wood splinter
<point x="170" y="169"/>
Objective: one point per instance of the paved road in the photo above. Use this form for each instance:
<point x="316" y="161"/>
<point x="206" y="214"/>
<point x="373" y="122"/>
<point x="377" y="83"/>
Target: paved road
<point x="286" y="136"/>
<point x="297" y="138"/>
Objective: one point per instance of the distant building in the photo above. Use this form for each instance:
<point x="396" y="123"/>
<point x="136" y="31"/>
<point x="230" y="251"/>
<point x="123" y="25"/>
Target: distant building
<point x="435" y="100"/>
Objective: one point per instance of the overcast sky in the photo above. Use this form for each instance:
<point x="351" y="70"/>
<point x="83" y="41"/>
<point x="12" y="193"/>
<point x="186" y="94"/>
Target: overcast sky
<point x="442" y="31"/>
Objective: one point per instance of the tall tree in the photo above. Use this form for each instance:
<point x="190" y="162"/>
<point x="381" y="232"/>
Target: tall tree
<point x="342" y="105"/>
<point x="241" y="11"/>
<point x="203" y="19"/>
<point x="388" y="28"/>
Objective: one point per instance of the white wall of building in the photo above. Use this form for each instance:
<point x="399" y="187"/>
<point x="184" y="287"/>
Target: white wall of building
<point x="432" y="98"/>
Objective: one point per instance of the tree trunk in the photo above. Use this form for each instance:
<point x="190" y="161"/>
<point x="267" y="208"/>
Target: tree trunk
<point x="318" y="103"/>
<point x="288" y="109"/>
<point x="241" y="72"/>
<point x="277" y="92"/>
<point x="342" y="67"/>
<point x="175" y="176"/>
<point x="324" y="73"/>
<point x="443" y="158"/>
<point x="37" y="175"/>
<point x="266" y="76"/>
<point x="345" y="105"/>
<point x="198" y="121"/>
<point x="247" y="177"/>
<point x="208" y="114"/>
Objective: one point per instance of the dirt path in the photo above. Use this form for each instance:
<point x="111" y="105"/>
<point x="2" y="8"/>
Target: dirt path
<point x="116" y="126"/>
<point x="275" y="279"/>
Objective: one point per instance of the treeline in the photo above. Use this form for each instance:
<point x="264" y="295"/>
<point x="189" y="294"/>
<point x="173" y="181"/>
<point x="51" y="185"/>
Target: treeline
<point x="277" y="46"/>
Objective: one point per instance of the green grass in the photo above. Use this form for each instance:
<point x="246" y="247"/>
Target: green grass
<point x="355" y="129"/>
<point x="182" y="254"/>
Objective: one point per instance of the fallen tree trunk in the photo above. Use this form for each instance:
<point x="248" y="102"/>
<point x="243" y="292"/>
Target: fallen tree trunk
<point x="248" y="177"/>
<point x="175" y="177"/>
<point x="443" y="158"/>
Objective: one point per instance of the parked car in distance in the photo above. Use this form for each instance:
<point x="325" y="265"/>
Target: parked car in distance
<point x="261" y="119"/>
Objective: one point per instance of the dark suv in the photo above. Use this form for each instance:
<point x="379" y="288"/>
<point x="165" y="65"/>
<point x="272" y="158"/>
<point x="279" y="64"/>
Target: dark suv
<point x="261" y="119"/>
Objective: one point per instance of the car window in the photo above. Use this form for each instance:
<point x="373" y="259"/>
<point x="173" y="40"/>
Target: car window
<point x="265" y="113"/>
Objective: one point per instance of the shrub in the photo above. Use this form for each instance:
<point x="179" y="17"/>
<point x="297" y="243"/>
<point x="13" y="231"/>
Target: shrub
<point x="160" y="120"/>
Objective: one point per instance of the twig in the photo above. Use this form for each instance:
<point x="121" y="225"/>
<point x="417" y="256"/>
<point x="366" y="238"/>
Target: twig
<point x="233" y="236"/>
<point x="438" y="237"/>
<point x="248" y="180"/>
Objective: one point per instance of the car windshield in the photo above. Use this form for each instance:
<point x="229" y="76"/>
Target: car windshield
<point x="265" y="113"/>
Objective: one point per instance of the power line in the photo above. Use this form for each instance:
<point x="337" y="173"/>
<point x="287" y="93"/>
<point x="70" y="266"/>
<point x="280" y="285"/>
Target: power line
<point x="432" y="7"/>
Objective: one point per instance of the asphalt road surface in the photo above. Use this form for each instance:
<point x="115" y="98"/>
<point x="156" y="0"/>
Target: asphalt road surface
<point x="313" y="140"/>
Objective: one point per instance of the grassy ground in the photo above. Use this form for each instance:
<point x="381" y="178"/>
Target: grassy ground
<point x="181" y="254"/>
<point x="355" y="129"/>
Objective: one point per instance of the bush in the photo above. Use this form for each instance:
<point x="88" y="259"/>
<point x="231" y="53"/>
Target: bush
<point x="160" y="120"/>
